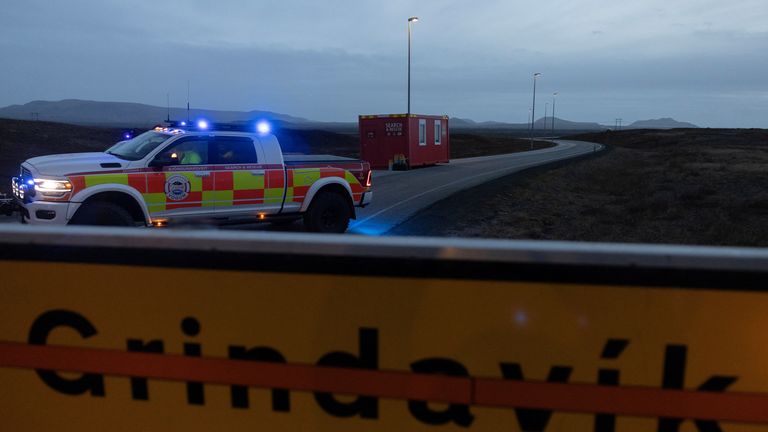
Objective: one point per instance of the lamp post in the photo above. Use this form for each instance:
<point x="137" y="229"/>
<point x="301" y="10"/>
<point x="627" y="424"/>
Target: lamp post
<point x="554" y="97"/>
<point x="533" y="108"/>
<point x="411" y="20"/>
<point x="546" y="111"/>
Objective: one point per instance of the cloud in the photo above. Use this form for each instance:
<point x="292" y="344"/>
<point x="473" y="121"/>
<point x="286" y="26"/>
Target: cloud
<point x="332" y="63"/>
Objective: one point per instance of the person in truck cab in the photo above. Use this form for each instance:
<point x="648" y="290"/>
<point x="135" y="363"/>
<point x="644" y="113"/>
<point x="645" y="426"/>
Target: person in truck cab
<point x="188" y="154"/>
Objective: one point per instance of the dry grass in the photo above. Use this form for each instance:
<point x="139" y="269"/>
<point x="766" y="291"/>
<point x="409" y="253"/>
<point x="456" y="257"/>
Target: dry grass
<point x="471" y="143"/>
<point x="21" y="140"/>
<point x="695" y="186"/>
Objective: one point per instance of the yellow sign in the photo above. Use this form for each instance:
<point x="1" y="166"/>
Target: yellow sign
<point x="482" y="333"/>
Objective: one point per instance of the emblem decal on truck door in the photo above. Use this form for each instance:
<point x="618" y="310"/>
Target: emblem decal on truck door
<point x="177" y="187"/>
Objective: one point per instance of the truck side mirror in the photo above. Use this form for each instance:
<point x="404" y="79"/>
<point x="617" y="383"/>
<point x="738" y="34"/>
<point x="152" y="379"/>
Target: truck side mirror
<point x="165" y="160"/>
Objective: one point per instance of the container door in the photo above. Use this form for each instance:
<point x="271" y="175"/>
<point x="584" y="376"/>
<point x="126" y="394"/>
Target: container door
<point x="374" y="148"/>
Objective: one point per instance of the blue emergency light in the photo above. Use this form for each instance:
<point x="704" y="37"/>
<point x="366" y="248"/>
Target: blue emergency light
<point x="263" y="127"/>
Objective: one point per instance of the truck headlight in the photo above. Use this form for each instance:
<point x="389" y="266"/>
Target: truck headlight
<point x="52" y="188"/>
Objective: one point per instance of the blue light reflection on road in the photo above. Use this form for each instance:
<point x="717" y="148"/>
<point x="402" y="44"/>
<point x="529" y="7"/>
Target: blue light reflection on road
<point x="369" y="228"/>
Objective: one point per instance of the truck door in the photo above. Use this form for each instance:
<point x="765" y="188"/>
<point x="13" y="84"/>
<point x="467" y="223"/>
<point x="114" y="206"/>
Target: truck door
<point x="181" y="189"/>
<point x="239" y="177"/>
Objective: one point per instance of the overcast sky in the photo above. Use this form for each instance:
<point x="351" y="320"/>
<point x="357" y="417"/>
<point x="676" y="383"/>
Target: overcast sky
<point x="702" y="61"/>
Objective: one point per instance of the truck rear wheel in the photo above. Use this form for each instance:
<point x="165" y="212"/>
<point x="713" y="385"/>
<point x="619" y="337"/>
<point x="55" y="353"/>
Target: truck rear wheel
<point x="328" y="213"/>
<point x="102" y="213"/>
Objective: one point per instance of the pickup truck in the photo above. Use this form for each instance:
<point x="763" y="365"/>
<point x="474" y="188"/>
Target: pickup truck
<point x="172" y="173"/>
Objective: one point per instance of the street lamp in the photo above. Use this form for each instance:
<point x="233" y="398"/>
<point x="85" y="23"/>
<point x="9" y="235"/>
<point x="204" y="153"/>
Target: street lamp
<point x="554" y="97"/>
<point x="546" y="111"/>
<point x="411" y="20"/>
<point x="533" y="107"/>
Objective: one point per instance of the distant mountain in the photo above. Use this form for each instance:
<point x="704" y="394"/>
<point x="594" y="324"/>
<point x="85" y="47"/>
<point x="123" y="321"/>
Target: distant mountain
<point x="560" y="124"/>
<point x="461" y="123"/>
<point x="662" y="123"/>
<point x="457" y="122"/>
<point x="120" y="114"/>
<point x="128" y="114"/>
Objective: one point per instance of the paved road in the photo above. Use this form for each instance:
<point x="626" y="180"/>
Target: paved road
<point x="400" y="194"/>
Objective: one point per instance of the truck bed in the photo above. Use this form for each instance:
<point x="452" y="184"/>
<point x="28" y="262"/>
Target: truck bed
<point x="300" y="159"/>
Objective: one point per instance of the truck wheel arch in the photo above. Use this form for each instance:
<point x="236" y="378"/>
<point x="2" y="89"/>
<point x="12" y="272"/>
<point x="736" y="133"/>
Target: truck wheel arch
<point x="124" y="195"/>
<point x="330" y="184"/>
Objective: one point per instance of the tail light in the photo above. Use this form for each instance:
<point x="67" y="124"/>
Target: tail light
<point x="369" y="180"/>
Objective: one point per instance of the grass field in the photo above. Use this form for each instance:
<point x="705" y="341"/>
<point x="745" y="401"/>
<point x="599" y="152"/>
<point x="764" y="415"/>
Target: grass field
<point x="694" y="186"/>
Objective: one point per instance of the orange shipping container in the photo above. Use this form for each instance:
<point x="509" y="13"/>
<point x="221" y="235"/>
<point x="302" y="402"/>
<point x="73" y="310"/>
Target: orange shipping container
<point x="404" y="141"/>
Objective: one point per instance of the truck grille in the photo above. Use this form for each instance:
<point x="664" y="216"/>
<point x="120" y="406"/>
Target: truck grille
<point x="15" y="188"/>
<point x="19" y="186"/>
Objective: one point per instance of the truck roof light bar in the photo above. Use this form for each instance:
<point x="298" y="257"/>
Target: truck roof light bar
<point x="261" y="126"/>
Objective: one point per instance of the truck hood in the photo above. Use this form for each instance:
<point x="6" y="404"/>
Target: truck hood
<point x="70" y="163"/>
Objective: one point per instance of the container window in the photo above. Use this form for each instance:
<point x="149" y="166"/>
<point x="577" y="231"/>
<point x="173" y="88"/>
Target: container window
<point x="438" y="132"/>
<point x="422" y="132"/>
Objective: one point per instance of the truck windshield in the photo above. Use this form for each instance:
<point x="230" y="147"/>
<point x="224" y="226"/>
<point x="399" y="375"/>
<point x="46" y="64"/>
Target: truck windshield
<point x="138" y="147"/>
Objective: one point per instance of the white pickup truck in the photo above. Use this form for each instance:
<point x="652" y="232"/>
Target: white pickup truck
<point x="175" y="173"/>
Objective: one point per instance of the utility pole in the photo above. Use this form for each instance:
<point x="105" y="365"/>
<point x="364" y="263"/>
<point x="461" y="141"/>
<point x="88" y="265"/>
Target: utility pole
<point x="411" y="20"/>
<point x="533" y="108"/>
<point x="188" y="102"/>
<point x="554" y="97"/>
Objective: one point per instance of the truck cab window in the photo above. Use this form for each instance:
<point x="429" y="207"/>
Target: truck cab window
<point x="235" y="150"/>
<point x="188" y="152"/>
<point x="140" y="146"/>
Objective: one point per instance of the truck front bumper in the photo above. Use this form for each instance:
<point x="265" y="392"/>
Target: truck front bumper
<point x="38" y="212"/>
<point x="44" y="212"/>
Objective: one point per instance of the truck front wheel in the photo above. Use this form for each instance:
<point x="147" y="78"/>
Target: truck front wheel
<point x="328" y="213"/>
<point x="102" y="213"/>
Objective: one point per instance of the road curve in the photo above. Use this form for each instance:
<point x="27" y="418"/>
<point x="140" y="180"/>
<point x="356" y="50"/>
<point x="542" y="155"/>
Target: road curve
<point x="397" y="195"/>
